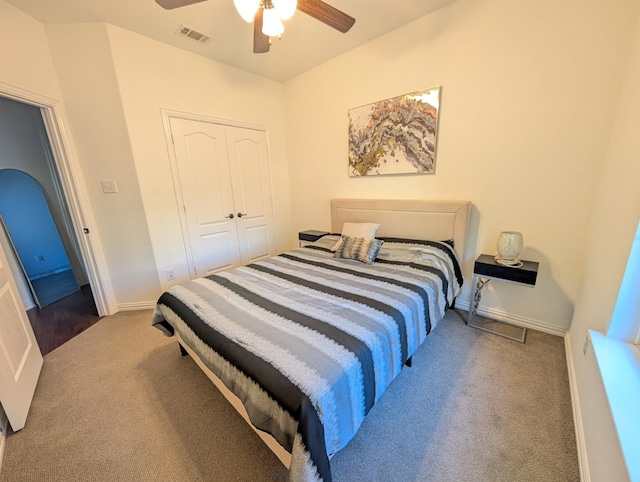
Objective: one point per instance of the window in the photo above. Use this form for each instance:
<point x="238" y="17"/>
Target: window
<point x="618" y="356"/>
<point x="625" y="321"/>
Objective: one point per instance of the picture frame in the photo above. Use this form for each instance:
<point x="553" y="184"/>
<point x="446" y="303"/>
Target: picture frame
<point x="395" y="136"/>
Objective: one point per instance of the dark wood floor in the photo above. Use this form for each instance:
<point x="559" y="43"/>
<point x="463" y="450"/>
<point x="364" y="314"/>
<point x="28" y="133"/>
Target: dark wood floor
<point x="58" y="322"/>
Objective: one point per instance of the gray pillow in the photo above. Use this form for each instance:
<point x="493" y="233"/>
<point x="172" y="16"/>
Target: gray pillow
<point x="361" y="249"/>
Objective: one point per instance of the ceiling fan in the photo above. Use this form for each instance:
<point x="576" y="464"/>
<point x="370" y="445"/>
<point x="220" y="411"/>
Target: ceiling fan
<point x="267" y="14"/>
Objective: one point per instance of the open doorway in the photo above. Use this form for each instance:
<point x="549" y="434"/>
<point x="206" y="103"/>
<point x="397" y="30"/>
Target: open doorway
<point x="25" y="152"/>
<point x="35" y="239"/>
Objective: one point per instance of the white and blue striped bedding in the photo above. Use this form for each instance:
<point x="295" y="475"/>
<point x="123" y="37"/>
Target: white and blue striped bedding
<point x="310" y="342"/>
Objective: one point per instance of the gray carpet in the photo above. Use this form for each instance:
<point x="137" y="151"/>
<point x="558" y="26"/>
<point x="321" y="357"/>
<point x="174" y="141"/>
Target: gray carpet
<point x="118" y="403"/>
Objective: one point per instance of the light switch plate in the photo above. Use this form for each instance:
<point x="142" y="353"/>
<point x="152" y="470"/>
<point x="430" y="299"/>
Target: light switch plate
<point x="109" y="186"/>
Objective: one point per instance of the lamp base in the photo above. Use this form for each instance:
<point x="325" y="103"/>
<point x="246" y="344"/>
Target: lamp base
<point x="511" y="263"/>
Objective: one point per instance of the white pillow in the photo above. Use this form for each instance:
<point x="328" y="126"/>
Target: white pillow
<point x="357" y="230"/>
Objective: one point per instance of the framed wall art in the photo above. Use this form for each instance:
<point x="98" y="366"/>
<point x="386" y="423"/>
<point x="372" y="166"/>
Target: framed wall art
<point x="395" y="136"/>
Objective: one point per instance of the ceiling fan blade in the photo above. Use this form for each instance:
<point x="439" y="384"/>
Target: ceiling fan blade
<point x="171" y="4"/>
<point x="261" y="41"/>
<point x="327" y="14"/>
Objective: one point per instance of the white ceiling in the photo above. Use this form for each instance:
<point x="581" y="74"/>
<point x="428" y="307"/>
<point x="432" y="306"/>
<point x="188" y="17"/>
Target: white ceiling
<point x="305" y="43"/>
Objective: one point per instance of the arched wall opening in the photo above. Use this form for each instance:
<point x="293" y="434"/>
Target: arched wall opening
<point x="35" y="238"/>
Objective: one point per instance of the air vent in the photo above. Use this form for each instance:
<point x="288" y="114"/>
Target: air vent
<point x="185" y="31"/>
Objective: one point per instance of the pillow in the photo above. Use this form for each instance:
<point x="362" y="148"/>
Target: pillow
<point x="357" y="230"/>
<point x="361" y="249"/>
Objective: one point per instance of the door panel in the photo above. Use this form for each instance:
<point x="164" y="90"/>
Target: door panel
<point x="203" y="169"/>
<point x="15" y="352"/>
<point x="250" y="173"/>
<point x="20" y="357"/>
<point x="209" y="172"/>
<point x="219" y="249"/>
<point x="251" y="180"/>
<point x="257" y="241"/>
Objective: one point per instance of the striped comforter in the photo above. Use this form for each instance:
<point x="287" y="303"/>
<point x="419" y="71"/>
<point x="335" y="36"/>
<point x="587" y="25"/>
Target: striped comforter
<point x="309" y="342"/>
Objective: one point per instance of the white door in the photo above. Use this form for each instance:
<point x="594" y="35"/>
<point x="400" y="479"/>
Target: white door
<point x="251" y="181"/>
<point x="225" y="192"/>
<point x="207" y="199"/>
<point x="20" y="357"/>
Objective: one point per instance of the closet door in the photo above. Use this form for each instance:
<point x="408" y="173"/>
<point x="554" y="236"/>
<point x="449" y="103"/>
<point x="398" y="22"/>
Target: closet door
<point x="205" y="195"/>
<point x="224" y="188"/>
<point x="251" y="182"/>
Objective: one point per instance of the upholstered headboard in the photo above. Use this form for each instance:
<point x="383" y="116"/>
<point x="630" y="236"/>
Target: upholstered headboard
<point x="414" y="219"/>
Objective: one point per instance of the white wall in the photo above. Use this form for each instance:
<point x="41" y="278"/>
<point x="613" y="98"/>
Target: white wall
<point x="529" y="91"/>
<point x="28" y="68"/>
<point x="613" y="225"/>
<point x="115" y="84"/>
<point x="26" y="61"/>
<point x="153" y="76"/>
<point x="83" y="63"/>
<point x="525" y="116"/>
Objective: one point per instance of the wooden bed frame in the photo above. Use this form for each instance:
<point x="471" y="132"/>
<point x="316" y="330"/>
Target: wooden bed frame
<point x="413" y="219"/>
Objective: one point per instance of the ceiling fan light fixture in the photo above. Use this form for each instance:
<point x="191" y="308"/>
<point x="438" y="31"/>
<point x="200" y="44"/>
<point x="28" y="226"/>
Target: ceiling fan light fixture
<point x="247" y="9"/>
<point x="271" y="23"/>
<point x="285" y="8"/>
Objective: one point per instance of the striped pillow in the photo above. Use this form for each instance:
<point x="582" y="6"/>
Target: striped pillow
<point x="361" y="249"/>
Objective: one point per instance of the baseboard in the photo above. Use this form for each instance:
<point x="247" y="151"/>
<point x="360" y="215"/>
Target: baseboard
<point x="577" y="414"/>
<point x="4" y="425"/>
<point x="50" y="273"/>
<point x="514" y="319"/>
<point x="142" y="305"/>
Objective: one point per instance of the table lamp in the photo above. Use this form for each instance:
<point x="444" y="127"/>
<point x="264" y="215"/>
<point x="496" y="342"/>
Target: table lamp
<point x="509" y="249"/>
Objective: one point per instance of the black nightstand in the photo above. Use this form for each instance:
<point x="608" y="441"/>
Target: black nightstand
<point x="305" y="237"/>
<point x="485" y="269"/>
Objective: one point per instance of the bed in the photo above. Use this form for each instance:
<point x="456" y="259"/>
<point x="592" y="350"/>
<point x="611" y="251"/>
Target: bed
<point x="304" y="343"/>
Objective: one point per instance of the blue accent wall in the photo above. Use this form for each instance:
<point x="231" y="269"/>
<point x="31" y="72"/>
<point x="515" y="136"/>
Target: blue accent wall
<point x="23" y="207"/>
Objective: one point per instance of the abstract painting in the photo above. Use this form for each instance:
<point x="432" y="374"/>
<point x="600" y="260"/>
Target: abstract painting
<point x="395" y="136"/>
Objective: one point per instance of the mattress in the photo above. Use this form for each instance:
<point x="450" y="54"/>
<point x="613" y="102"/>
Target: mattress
<point x="309" y="342"/>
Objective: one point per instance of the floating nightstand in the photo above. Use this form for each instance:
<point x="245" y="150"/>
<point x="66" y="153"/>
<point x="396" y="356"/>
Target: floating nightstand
<point x="486" y="269"/>
<point x="306" y="237"/>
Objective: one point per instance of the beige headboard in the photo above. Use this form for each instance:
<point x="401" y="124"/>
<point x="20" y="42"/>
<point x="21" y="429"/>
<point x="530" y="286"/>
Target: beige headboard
<point x="400" y="218"/>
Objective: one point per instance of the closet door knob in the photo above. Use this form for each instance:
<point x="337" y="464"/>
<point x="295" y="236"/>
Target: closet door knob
<point x="241" y="214"/>
<point x="230" y="216"/>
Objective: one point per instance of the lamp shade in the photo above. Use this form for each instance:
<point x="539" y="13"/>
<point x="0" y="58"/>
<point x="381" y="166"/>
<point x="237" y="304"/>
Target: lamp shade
<point x="509" y="247"/>
<point x="271" y="23"/>
<point x="247" y="8"/>
<point x="285" y="8"/>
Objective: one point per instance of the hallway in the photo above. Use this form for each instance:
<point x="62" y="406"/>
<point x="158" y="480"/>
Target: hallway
<point x="58" y="322"/>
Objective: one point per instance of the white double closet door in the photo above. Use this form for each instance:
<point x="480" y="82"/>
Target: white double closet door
<point x="223" y="185"/>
